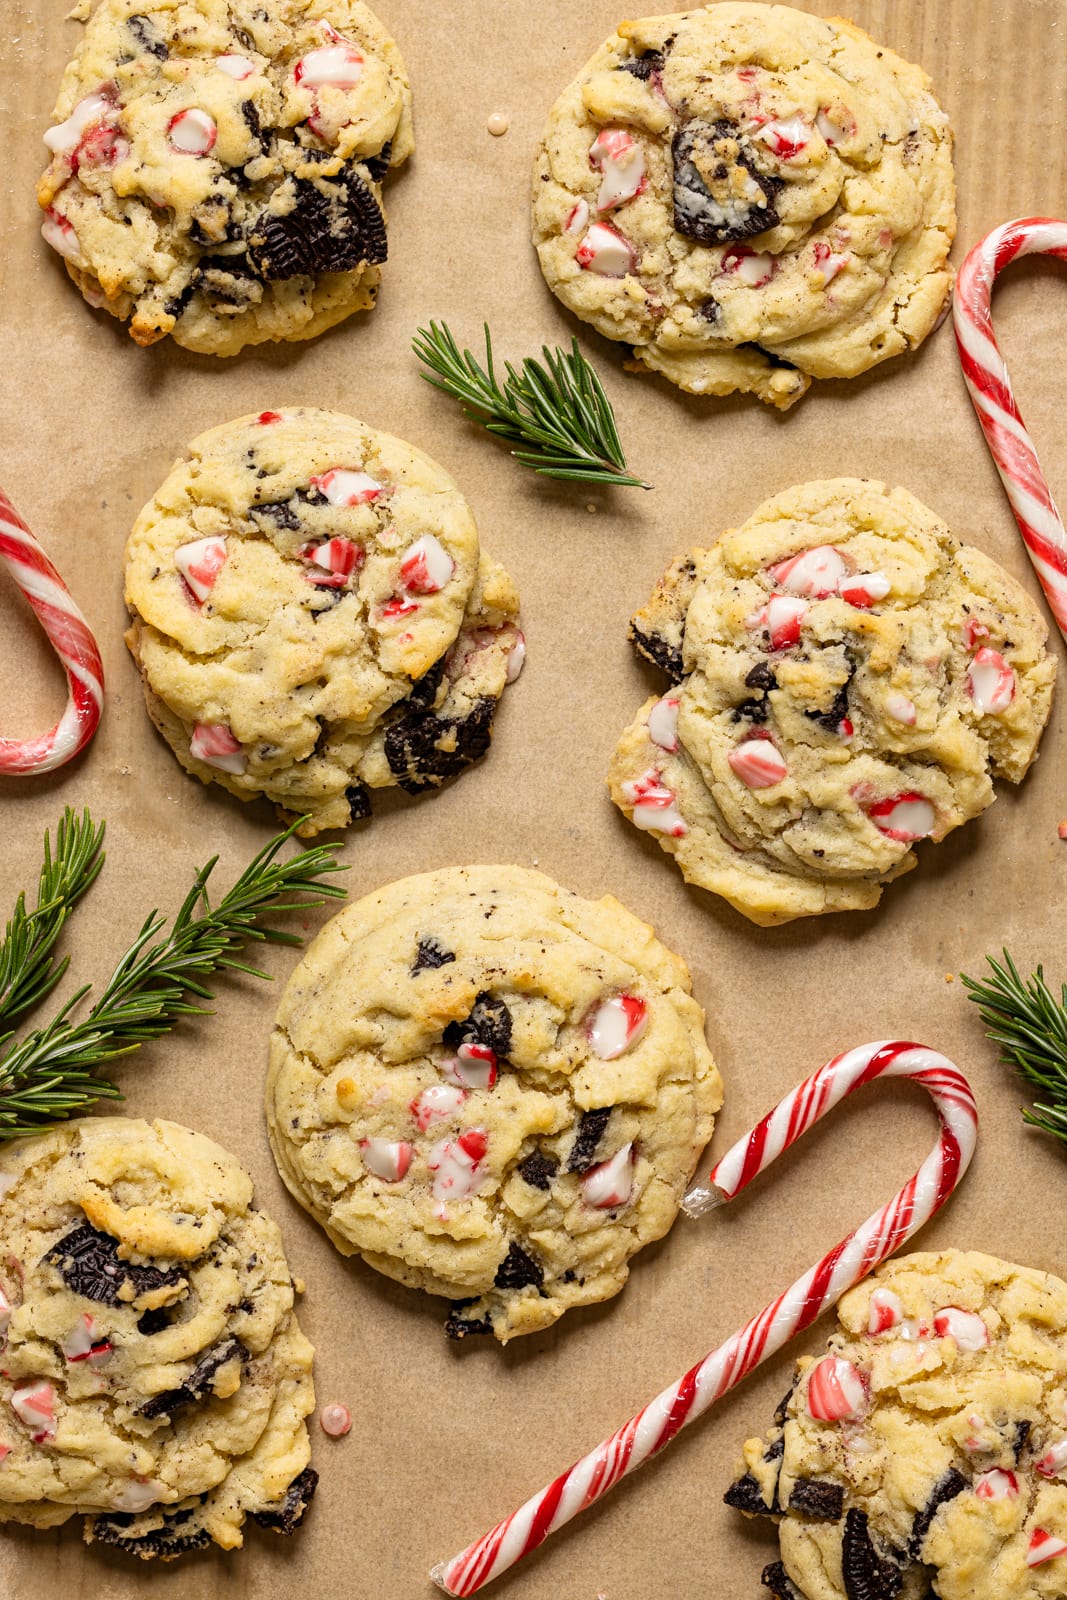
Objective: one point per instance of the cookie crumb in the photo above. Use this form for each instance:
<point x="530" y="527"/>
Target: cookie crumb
<point x="590" y="505"/>
<point x="497" y="124"/>
<point x="950" y="977"/>
<point x="80" y="12"/>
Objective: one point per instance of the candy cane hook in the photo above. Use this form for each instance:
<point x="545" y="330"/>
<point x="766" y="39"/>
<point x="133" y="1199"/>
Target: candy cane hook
<point x="656" y="1425"/>
<point x="990" y="389"/>
<point x="70" y="638"/>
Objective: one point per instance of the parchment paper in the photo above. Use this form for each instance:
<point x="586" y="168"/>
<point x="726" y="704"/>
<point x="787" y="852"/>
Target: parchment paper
<point x="447" y="1439"/>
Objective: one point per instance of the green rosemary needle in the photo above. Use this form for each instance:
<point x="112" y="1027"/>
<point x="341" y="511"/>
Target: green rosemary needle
<point x="1028" y="1023"/>
<point x="50" y="1074"/>
<point x="556" y="409"/>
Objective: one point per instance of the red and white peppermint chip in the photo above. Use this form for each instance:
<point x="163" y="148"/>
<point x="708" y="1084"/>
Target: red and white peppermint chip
<point x="1053" y="1461"/>
<point x="836" y="1390"/>
<point x="59" y="233"/>
<point x="610" y="1183"/>
<point x="516" y="657"/>
<point x="335" y="1420"/>
<point x="265" y="418"/>
<point x="96" y="107"/>
<point x="344" y="486"/>
<point x="332" y="562"/>
<point x="5" y="1312"/>
<point x="996" y="1485"/>
<point x="455" y="1164"/>
<point x="234" y="66"/>
<point x="213" y="743"/>
<point x="966" y="1327"/>
<point x="5" y="1451"/>
<point x="829" y="262"/>
<point x="663" y="723"/>
<point x="399" y="607"/>
<point x="339" y="66"/>
<point x="426" y="566"/>
<point x="654" y="805"/>
<point x="138" y="1495"/>
<point x="884" y="1312"/>
<point x="84" y="1344"/>
<point x="899" y="708"/>
<point x="388" y="1159"/>
<point x="835" y="123"/>
<point x="192" y="132"/>
<point x="758" y="764"/>
<point x="1044" y="1546"/>
<point x="753" y="267"/>
<point x="816" y="573"/>
<point x="905" y="817"/>
<point x="990" y="682"/>
<point x="606" y="252"/>
<point x="200" y="563"/>
<point x="781" y="619"/>
<point x="34" y="1403"/>
<point x="616" y="1025"/>
<point x="435" y="1104"/>
<point x="786" y="137"/>
<point x="577" y="217"/>
<point x="864" y="589"/>
<point x="620" y="159"/>
<point x="475" y="1065"/>
<point x="973" y="631"/>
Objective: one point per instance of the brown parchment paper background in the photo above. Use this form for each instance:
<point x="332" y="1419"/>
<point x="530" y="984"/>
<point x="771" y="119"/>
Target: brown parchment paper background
<point x="447" y="1439"/>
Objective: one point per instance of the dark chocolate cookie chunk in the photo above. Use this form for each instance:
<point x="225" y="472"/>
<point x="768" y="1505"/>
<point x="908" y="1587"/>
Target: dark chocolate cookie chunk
<point x="489" y="1024"/>
<point x="814" y="1498"/>
<point x="199" y="1381"/>
<point x="320" y="224"/>
<point x="590" y="1132"/>
<point x="720" y="196"/>
<point x="866" y="1574"/>
<point x="457" y="1326"/>
<point x="538" y="1169"/>
<point x="287" y="1516"/>
<point x="88" y="1263"/>
<point x="518" y="1270"/>
<point x="424" y="750"/>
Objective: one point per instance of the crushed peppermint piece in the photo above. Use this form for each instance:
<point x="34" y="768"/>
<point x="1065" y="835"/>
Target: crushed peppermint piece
<point x="654" y="805"/>
<point x="616" y="1025"/>
<point x="435" y="1104"/>
<point x="192" y="132"/>
<point x="200" y="563"/>
<point x="339" y="66"/>
<point x="138" y="1495"/>
<point x="966" y="1327"/>
<point x="82" y="1344"/>
<point x="455" y="1164"/>
<point x="516" y="657"/>
<point x="753" y="267"/>
<point x="213" y="743"/>
<point x="900" y="708"/>
<point x="605" y="251"/>
<point x="1053" y="1461"/>
<point x="65" y="137"/>
<point x="829" y="262"/>
<point x="663" y="723"/>
<point x="5" y="1312"/>
<point x="388" y="1159"/>
<point x="836" y="1390"/>
<point x="474" y="1065"/>
<point x="335" y="1420"/>
<point x="864" y="589"/>
<point x="59" y="233"/>
<point x="884" y="1312"/>
<point x="781" y="619"/>
<point x="344" y="486"/>
<point x="426" y="566"/>
<point x="786" y="137"/>
<point x="577" y="217"/>
<point x="35" y="1404"/>
<point x="1044" y="1546"/>
<point x="904" y="817"/>
<point x="816" y="573"/>
<point x="621" y="161"/>
<point x="973" y="631"/>
<point x="234" y="66"/>
<point x="990" y="682"/>
<point x="333" y="561"/>
<point x="758" y="764"/>
<point x="996" y="1485"/>
<point x="611" y="1182"/>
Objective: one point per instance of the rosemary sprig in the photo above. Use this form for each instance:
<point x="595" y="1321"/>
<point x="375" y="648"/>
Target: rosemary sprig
<point x="1029" y="1024"/>
<point x="557" y="409"/>
<point x="28" y="967"/>
<point x="51" y="1072"/>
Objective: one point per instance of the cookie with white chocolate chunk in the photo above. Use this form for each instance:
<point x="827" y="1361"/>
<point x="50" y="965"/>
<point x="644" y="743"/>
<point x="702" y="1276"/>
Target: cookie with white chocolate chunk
<point x="847" y="680"/>
<point x="750" y="196"/>
<point x="926" y="1453"/>
<point x="491" y="1090"/>
<point x="314" y="618"/>
<point x="154" y="1379"/>
<point x="216" y="166"/>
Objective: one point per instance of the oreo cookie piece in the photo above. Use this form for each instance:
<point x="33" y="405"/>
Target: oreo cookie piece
<point x="947" y="1487"/>
<point x="817" y="1499"/>
<point x="518" y="1270"/>
<point x="425" y="750"/>
<point x="720" y="196"/>
<point x="199" y="1381"/>
<point x="378" y="165"/>
<point x="488" y="1024"/>
<point x="866" y="1574"/>
<point x="590" y="1132"/>
<point x="166" y="1542"/>
<point x="89" y="1264"/>
<point x="659" y="651"/>
<point x="777" y="1580"/>
<point x="287" y="1516"/>
<point x="644" y="65"/>
<point x="746" y="1495"/>
<point x="357" y="794"/>
<point x="457" y="1326"/>
<point x="316" y="225"/>
<point x="147" y="37"/>
<point x="538" y="1170"/>
<point x="430" y="952"/>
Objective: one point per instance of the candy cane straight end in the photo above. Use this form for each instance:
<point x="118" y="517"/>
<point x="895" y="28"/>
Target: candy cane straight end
<point x="657" y="1423"/>
<point x="702" y="1197"/>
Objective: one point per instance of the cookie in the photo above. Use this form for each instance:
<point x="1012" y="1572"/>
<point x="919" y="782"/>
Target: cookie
<point x="847" y="679"/>
<point x="153" y="1379"/>
<point x="927" y="1452"/>
<point x="313" y="617"/>
<point x="751" y="197"/>
<point x="491" y="1090"/>
<point x="216" y="167"/>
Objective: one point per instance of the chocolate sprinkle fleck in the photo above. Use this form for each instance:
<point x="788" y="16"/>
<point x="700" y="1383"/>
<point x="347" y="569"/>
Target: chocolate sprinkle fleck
<point x="590" y="1131"/>
<point x="288" y="1516"/>
<point x="518" y="1270"/>
<point x="823" y="1502"/>
<point x="947" y="1487"/>
<point x="866" y="1575"/>
<point x="538" y="1170"/>
<point x="430" y="952"/>
<point x="89" y="1265"/>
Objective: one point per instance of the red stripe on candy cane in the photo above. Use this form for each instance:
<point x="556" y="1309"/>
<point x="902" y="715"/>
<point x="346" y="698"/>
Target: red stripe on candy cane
<point x="70" y="638"/>
<point x="986" y="376"/>
<point x="646" y="1434"/>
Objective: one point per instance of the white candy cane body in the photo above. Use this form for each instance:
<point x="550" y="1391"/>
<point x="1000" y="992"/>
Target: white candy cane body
<point x="70" y="638"/>
<point x="656" y="1425"/>
<point x="990" y="389"/>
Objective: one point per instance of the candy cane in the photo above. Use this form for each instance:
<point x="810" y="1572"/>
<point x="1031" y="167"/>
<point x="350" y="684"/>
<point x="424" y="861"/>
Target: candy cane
<point x="987" y="380"/>
<point x="70" y="638"/>
<point x="850" y="1261"/>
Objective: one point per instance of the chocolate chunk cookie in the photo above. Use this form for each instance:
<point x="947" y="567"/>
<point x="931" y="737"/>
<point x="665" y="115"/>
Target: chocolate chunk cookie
<point x="897" y="1468"/>
<point x="153" y="1378"/>
<point x="505" y="1127"/>
<point x="216" y="167"/>
<point x="313" y="617"/>
<point x="750" y="196"/>
<point x="846" y="680"/>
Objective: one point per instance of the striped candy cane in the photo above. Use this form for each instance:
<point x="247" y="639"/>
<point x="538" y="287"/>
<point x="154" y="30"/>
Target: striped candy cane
<point x="70" y="638"/>
<point x="990" y="389"/>
<point x="850" y="1261"/>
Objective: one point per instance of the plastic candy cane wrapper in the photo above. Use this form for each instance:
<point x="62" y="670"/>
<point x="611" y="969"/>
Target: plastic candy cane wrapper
<point x="990" y="388"/>
<point x="850" y="1261"/>
<point x="70" y="638"/>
